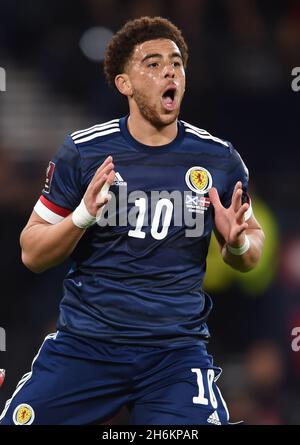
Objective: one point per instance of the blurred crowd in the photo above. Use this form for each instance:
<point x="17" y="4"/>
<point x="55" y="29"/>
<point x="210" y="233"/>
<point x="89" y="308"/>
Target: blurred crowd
<point x="239" y="88"/>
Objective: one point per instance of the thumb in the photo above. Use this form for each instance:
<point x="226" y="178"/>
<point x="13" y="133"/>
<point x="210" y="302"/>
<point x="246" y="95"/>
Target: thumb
<point x="214" y="198"/>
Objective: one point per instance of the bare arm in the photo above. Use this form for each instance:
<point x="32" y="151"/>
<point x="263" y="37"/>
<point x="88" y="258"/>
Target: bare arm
<point x="231" y="230"/>
<point x="45" y="245"/>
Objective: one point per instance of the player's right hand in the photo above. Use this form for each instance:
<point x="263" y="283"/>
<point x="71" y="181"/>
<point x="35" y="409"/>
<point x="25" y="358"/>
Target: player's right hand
<point x="103" y="178"/>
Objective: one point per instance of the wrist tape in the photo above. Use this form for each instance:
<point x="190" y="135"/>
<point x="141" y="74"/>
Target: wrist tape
<point x="81" y="217"/>
<point x="239" y="250"/>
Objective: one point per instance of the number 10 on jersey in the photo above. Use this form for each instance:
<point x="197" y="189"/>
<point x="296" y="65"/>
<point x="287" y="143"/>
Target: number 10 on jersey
<point x="140" y="220"/>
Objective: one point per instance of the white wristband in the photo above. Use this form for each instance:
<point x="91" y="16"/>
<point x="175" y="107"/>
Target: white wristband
<point x="239" y="250"/>
<point x="81" y="217"/>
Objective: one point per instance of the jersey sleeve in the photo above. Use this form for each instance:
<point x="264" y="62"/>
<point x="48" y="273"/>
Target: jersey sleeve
<point x="63" y="189"/>
<point x="237" y="171"/>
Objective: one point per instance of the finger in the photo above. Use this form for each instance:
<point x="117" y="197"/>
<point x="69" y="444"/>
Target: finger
<point x="104" y="171"/>
<point x="240" y="215"/>
<point x="104" y="184"/>
<point x="111" y="177"/>
<point x="103" y="200"/>
<point x="236" y="201"/>
<point x="214" y="198"/>
<point x="106" y="199"/>
<point x="237" y="187"/>
<point x="100" y="169"/>
<point x="241" y="229"/>
<point x="98" y="186"/>
<point x="108" y="160"/>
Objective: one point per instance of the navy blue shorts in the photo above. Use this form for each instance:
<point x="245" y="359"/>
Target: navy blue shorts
<point x="80" y="381"/>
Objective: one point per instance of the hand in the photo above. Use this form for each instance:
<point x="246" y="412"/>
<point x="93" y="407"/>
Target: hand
<point x="104" y="175"/>
<point x="230" y="223"/>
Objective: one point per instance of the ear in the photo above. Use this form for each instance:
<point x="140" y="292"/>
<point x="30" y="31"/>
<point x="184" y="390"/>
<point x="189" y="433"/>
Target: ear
<point x="123" y="84"/>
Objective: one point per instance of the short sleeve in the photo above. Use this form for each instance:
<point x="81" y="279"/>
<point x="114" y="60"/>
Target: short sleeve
<point x="237" y="171"/>
<point x="63" y="189"/>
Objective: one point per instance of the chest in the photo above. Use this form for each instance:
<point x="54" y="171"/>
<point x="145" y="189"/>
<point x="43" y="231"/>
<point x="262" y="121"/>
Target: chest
<point x="156" y="171"/>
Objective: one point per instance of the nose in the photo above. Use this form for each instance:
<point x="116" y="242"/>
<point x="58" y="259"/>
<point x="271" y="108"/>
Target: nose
<point x="169" y="71"/>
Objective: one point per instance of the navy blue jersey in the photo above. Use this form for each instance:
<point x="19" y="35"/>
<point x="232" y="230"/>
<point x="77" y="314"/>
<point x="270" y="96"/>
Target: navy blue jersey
<point x="136" y="276"/>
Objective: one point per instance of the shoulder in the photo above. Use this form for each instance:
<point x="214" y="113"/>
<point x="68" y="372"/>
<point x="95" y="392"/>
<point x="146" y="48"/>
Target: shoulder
<point x="96" y="133"/>
<point x="217" y="147"/>
<point x="81" y="142"/>
<point x="199" y="134"/>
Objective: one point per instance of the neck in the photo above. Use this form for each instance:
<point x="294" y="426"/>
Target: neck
<point x="145" y="132"/>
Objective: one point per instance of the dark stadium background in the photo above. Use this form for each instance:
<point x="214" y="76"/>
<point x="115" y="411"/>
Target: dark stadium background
<point x="242" y="53"/>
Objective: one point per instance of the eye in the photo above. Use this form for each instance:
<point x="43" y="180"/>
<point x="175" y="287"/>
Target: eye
<point x="177" y="64"/>
<point x="152" y="65"/>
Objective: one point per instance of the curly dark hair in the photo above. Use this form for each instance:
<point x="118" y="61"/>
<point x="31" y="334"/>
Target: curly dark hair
<point x="134" y="32"/>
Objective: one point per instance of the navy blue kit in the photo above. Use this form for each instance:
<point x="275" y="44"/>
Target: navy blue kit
<point x="132" y="324"/>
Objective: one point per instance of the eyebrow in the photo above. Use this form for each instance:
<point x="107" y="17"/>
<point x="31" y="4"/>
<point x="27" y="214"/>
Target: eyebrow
<point x="149" y="56"/>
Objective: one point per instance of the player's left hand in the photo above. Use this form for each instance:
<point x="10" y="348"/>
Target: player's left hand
<point x="230" y="223"/>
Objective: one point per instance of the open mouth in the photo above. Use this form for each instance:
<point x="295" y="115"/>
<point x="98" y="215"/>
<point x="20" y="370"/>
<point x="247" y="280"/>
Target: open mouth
<point x="168" y="98"/>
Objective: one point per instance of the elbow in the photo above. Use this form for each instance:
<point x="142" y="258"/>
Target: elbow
<point x="31" y="264"/>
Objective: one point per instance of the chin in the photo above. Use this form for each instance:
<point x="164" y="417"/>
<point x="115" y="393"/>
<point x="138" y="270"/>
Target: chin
<point x="164" y="117"/>
<point x="158" y="117"/>
<point x="168" y="119"/>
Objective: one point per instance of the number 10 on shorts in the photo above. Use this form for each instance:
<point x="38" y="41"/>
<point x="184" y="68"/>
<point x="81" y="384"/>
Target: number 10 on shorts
<point x="201" y="399"/>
